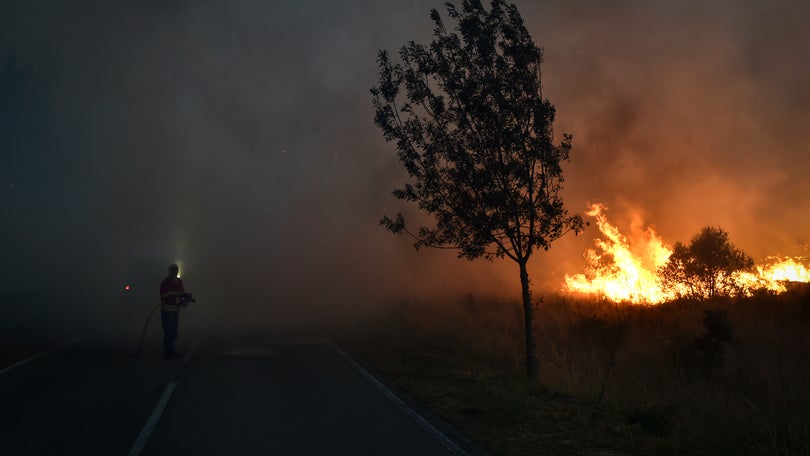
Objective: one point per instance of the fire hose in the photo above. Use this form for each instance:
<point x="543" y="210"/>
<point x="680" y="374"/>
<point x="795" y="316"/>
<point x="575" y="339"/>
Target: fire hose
<point x="185" y="299"/>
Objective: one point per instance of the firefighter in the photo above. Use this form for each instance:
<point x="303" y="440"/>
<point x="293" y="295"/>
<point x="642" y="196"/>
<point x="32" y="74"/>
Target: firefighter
<point x="171" y="292"/>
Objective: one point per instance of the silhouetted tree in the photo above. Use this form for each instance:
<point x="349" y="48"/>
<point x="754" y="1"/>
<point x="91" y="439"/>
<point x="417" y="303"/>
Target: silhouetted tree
<point x="704" y="269"/>
<point x="475" y="135"/>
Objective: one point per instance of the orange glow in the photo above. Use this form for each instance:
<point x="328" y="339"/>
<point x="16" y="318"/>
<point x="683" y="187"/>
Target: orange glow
<point x="787" y="269"/>
<point x="621" y="270"/>
<point x="625" y="270"/>
<point x="774" y="275"/>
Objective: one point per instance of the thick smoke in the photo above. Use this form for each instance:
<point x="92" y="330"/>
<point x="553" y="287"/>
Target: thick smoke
<point x="237" y="137"/>
<point x="686" y="114"/>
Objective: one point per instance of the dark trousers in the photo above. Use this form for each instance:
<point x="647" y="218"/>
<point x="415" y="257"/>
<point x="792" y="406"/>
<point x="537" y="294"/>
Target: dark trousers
<point x="169" y="321"/>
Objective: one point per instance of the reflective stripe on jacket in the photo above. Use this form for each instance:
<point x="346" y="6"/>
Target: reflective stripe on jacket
<point x="170" y="291"/>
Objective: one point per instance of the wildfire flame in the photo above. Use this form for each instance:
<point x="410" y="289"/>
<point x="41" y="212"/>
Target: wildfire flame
<point x="777" y="273"/>
<point x="623" y="270"/>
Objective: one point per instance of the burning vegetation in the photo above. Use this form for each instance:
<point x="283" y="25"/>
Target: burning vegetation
<point x="645" y="270"/>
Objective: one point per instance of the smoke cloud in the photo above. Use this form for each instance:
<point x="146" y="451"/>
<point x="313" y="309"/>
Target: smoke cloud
<point x="238" y="138"/>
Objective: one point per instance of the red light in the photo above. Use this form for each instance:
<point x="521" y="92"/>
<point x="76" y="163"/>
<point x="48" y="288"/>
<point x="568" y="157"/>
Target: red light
<point x="127" y="288"/>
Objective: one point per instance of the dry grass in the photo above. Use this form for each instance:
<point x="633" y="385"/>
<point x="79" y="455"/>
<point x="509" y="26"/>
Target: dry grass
<point x="663" y="387"/>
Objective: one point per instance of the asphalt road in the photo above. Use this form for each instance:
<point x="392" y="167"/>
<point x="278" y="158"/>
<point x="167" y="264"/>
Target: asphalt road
<point x="260" y="395"/>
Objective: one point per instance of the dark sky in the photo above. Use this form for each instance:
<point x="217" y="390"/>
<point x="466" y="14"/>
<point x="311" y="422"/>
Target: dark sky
<point x="237" y="137"/>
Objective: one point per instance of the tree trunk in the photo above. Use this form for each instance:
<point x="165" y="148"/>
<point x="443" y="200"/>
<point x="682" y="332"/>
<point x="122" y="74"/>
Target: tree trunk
<point x="531" y="345"/>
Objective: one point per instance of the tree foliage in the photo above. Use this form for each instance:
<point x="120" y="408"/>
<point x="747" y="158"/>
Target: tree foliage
<point x="475" y="134"/>
<point x="705" y="268"/>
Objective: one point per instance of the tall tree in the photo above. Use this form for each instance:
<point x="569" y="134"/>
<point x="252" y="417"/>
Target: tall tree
<point x="475" y="134"/>
<point x="705" y="268"/>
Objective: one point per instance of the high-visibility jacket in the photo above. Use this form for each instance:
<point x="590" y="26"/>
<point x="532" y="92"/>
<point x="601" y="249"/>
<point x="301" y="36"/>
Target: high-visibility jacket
<point x="170" y="291"/>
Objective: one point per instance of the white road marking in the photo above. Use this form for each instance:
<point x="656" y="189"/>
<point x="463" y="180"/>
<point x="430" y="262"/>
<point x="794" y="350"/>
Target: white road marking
<point x="149" y="427"/>
<point x="446" y="441"/>
<point x="37" y="355"/>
